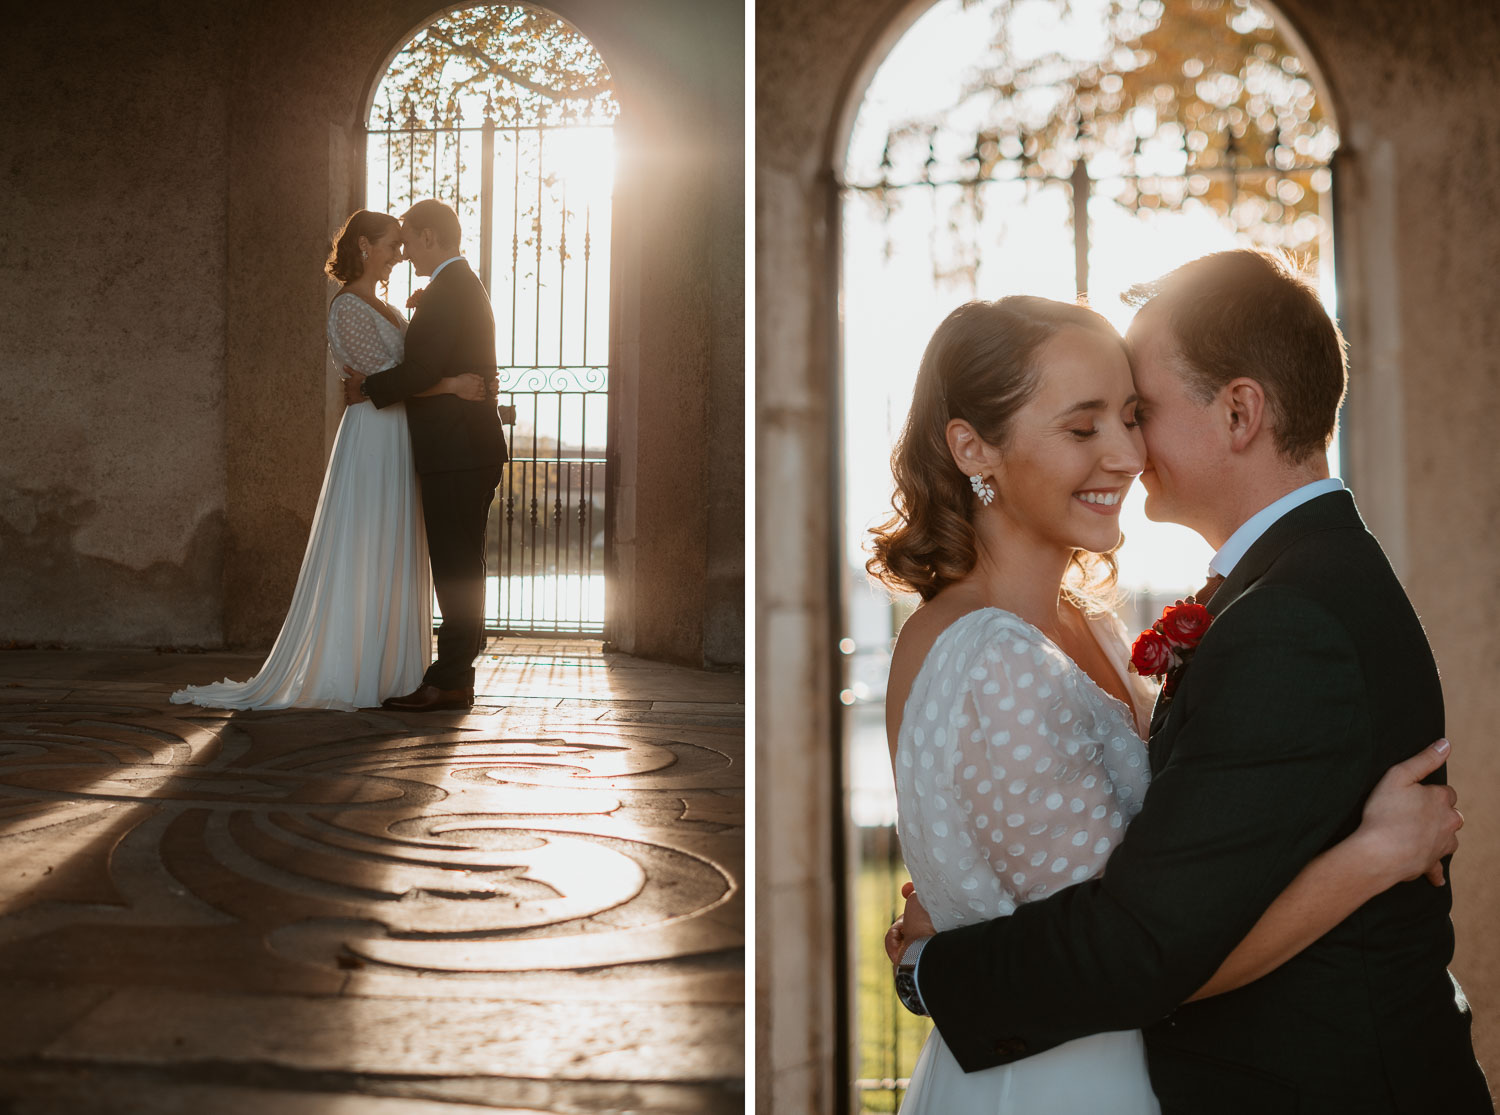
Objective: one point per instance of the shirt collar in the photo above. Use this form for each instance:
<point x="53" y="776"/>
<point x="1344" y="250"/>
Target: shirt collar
<point x="1256" y="525"/>
<point x="440" y="266"/>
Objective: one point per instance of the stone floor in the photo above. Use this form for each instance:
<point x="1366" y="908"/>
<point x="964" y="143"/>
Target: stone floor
<point x="534" y="906"/>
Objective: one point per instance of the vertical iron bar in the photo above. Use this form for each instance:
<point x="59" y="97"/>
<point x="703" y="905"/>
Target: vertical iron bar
<point x="411" y="156"/>
<point x="510" y="528"/>
<point x="538" y="554"/>
<point x="587" y="494"/>
<point x="1080" y="183"/>
<point x="565" y="526"/>
<point x="562" y="277"/>
<point x="436" y="157"/>
<point x="585" y="574"/>
<point x="557" y="513"/>
<point x="390" y="135"/>
<point x="583" y="603"/>
<point x="587" y="272"/>
<point x="535" y="449"/>
<point x="515" y="249"/>
<point x="541" y="137"/>
<point x="585" y="538"/>
<point x="487" y="200"/>
<point x="456" y="141"/>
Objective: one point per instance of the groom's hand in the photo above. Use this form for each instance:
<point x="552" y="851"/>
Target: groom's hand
<point x="352" y="380"/>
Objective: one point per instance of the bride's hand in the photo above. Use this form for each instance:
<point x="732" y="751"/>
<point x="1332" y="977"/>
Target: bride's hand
<point x="470" y="388"/>
<point x="1408" y="827"/>
<point x="915" y="922"/>
<point x="895" y="941"/>
<point x="352" y="380"/>
<point x="915" y="918"/>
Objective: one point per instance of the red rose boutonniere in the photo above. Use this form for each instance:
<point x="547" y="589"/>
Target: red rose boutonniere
<point x="1163" y="649"/>
<point x="414" y="297"/>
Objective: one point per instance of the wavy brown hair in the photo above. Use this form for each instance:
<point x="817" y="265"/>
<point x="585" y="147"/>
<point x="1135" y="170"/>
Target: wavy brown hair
<point x="344" y="263"/>
<point x="981" y="366"/>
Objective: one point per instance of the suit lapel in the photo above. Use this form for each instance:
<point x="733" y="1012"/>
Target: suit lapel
<point x="1333" y="511"/>
<point x="1158" y="718"/>
<point x="442" y="280"/>
<point x="457" y="267"/>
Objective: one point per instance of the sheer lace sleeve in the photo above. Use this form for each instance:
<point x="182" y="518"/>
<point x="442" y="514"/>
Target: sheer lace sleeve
<point x="1016" y="775"/>
<point x="355" y="335"/>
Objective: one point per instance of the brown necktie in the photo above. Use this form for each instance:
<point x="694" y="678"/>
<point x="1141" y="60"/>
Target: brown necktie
<point x="1211" y="587"/>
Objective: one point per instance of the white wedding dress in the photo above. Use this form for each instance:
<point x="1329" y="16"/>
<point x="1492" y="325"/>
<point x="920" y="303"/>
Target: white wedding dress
<point x="1015" y="776"/>
<point x="360" y="625"/>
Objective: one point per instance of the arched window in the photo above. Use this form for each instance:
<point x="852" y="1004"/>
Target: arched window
<point x="1033" y="146"/>
<point x="507" y="112"/>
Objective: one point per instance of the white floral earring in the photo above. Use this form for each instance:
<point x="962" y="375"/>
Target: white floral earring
<point x="982" y="489"/>
<point x="364" y="254"/>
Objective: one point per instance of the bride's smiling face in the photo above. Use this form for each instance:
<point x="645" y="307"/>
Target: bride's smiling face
<point x="1074" y="449"/>
<point x="384" y="254"/>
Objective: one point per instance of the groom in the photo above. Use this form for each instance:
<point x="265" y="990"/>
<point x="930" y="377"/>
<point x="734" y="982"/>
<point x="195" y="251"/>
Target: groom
<point x="458" y="446"/>
<point x="1314" y="677"/>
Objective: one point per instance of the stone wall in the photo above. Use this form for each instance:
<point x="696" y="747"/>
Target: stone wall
<point x="1419" y="103"/>
<point x="171" y="176"/>
<point x="1415" y="91"/>
<point x="113" y="326"/>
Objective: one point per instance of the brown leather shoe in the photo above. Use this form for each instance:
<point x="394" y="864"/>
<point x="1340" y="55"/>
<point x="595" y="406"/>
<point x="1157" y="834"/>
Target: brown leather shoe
<point x="429" y="698"/>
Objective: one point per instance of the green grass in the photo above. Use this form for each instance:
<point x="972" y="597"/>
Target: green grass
<point x="889" y="1036"/>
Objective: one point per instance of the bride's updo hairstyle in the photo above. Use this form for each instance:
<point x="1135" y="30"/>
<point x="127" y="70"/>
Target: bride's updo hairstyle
<point x="982" y="366"/>
<point x="344" y="263"/>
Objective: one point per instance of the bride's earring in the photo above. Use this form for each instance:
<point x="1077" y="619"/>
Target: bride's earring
<point x="982" y="489"/>
<point x="364" y="254"/>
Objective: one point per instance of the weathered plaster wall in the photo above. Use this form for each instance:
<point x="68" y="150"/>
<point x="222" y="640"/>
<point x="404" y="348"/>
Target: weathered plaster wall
<point x="295" y="87"/>
<point x="1416" y="95"/>
<point x="1420" y="92"/>
<point x="171" y="175"/>
<point x="805" y="56"/>
<point x="679" y="524"/>
<point x="112" y="326"/>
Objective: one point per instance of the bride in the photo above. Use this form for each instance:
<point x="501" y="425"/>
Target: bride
<point x="360" y="625"/>
<point x="1014" y="723"/>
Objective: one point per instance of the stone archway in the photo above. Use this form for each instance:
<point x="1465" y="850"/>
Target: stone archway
<point x="507" y="113"/>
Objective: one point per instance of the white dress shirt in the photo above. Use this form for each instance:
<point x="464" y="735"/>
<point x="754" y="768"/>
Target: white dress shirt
<point x="440" y="266"/>
<point x="1256" y="525"/>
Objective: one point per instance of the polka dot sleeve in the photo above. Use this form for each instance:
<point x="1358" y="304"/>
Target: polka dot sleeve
<point x="1020" y="773"/>
<point x="356" y="336"/>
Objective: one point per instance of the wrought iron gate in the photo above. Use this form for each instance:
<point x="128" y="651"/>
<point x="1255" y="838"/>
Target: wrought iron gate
<point x="530" y="177"/>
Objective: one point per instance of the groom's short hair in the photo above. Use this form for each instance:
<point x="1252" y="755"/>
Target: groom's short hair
<point x="1252" y="314"/>
<point x="437" y="216"/>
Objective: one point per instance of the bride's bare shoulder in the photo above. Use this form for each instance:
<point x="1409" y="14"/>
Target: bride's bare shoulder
<point x="919" y="633"/>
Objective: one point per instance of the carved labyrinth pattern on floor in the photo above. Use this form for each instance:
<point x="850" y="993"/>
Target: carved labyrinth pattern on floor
<point x="298" y="850"/>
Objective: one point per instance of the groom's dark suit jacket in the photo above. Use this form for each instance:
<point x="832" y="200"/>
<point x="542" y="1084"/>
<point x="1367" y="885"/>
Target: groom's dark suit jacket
<point x="1314" y="677"/>
<point x="451" y="332"/>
